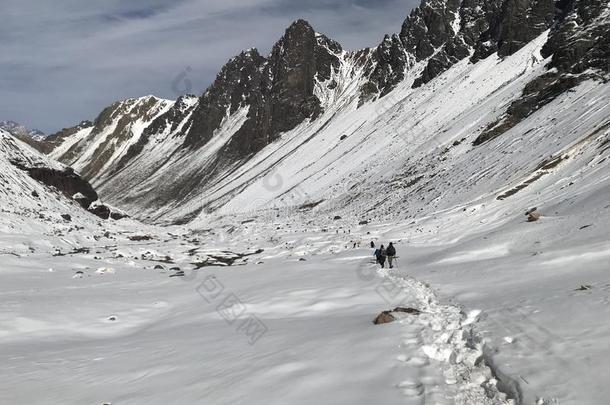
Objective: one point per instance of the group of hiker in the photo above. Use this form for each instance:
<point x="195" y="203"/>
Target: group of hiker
<point x="382" y="253"/>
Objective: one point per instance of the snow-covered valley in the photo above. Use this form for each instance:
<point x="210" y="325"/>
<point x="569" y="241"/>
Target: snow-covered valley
<point x="294" y="323"/>
<point x="217" y="249"/>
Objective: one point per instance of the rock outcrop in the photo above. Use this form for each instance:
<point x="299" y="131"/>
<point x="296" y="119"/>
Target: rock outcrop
<point x="440" y="33"/>
<point x="67" y="182"/>
<point x="73" y="187"/>
<point x="579" y="47"/>
<point x="279" y="91"/>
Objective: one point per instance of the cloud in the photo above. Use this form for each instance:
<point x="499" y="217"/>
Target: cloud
<point x="63" y="61"/>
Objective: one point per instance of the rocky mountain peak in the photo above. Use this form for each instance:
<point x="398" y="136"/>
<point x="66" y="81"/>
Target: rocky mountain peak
<point x="237" y="84"/>
<point x="443" y="32"/>
<point x="278" y="90"/>
<point x="292" y="68"/>
<point x="299" y="27"/>
<point x="430" y="26"/>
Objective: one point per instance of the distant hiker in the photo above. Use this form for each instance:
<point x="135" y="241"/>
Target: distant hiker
<point x="372" y="245"/>
<point x="391" y="252"/>
<point x="380" y="254"/>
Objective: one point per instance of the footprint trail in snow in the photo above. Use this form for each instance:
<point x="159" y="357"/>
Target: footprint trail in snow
<point x="449" y="365"/>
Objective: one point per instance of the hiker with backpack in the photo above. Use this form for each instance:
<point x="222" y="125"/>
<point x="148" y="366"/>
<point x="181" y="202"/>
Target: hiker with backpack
<point x="380" y="255"/>
<point x="391" y="253"/>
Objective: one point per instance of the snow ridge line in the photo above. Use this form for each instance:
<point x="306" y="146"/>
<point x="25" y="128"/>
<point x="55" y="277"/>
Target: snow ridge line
<point x="448" y="337"/>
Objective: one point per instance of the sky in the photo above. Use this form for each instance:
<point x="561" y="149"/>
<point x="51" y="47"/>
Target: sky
<point x="63" y="61"/>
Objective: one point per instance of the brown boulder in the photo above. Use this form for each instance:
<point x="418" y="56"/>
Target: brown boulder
<point x="387" y="316"/>
<point x="384" y="317"/>
<point x="532" y="215"/>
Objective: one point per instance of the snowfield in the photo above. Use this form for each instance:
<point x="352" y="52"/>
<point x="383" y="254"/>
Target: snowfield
<point x="502" y="310"/>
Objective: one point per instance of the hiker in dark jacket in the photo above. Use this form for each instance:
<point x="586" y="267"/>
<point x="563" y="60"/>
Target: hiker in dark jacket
<point x="391" y="253"/>
<point x="372" y="245"/>
<point x="381" y="254"/>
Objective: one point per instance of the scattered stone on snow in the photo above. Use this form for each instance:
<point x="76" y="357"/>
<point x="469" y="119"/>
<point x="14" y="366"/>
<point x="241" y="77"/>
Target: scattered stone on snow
<point x="138" y="238"/>
<point x="532" y="215"/>
<point x="388" y="316"/>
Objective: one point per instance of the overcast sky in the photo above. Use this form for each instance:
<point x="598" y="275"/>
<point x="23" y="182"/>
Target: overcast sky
<point x="63" y="61"/>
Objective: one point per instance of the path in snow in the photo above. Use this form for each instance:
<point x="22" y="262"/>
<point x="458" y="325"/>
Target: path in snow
<point x="442" y="340"/>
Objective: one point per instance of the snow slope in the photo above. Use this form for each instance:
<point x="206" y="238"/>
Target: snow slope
<point x="95" y="150"/>
<point x="410" y="154"/>
<point x="19" y="204"/>
<point x="407" y="154"/>
<point x="505" y="292"/>
<point x="139" y="336"/>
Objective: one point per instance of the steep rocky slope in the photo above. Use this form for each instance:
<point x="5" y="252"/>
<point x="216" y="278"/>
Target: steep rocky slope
<point x="170" y="161"/>
<point x="90" y="147"/>
<point x="37" y="188"/>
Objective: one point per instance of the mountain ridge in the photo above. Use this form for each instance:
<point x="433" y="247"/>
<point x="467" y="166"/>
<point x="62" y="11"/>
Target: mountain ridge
<point x="185" y="149"/>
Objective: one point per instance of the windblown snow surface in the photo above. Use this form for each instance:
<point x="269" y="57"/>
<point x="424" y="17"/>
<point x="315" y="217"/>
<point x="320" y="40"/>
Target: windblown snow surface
<point x="270" y="300"/>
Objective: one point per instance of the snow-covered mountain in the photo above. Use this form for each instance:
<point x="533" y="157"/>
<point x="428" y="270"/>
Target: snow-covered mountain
<point x="446" y="91"/>
<point x="31" y="136"/>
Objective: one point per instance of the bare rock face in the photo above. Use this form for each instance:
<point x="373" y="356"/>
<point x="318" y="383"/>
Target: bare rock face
<point x="279" y="91"/>
<point x="429" y="27"/>
<point x="443" y="32"/>
<point x="579" y="43"/>
<point x="74" y="187"/>
<point x="288" y="96"/>
<point x="519" y="22"/>
<point x="391" y="61"/>
<point x="292" y="68"/>
<point x="238" y="84"/>
<point x="66" y="181"/>
<point x="483" y="27"/>
<point x="580" y="38"/>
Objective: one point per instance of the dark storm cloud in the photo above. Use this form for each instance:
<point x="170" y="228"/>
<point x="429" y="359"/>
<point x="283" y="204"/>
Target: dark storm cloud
<point x="63" y="61"/>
